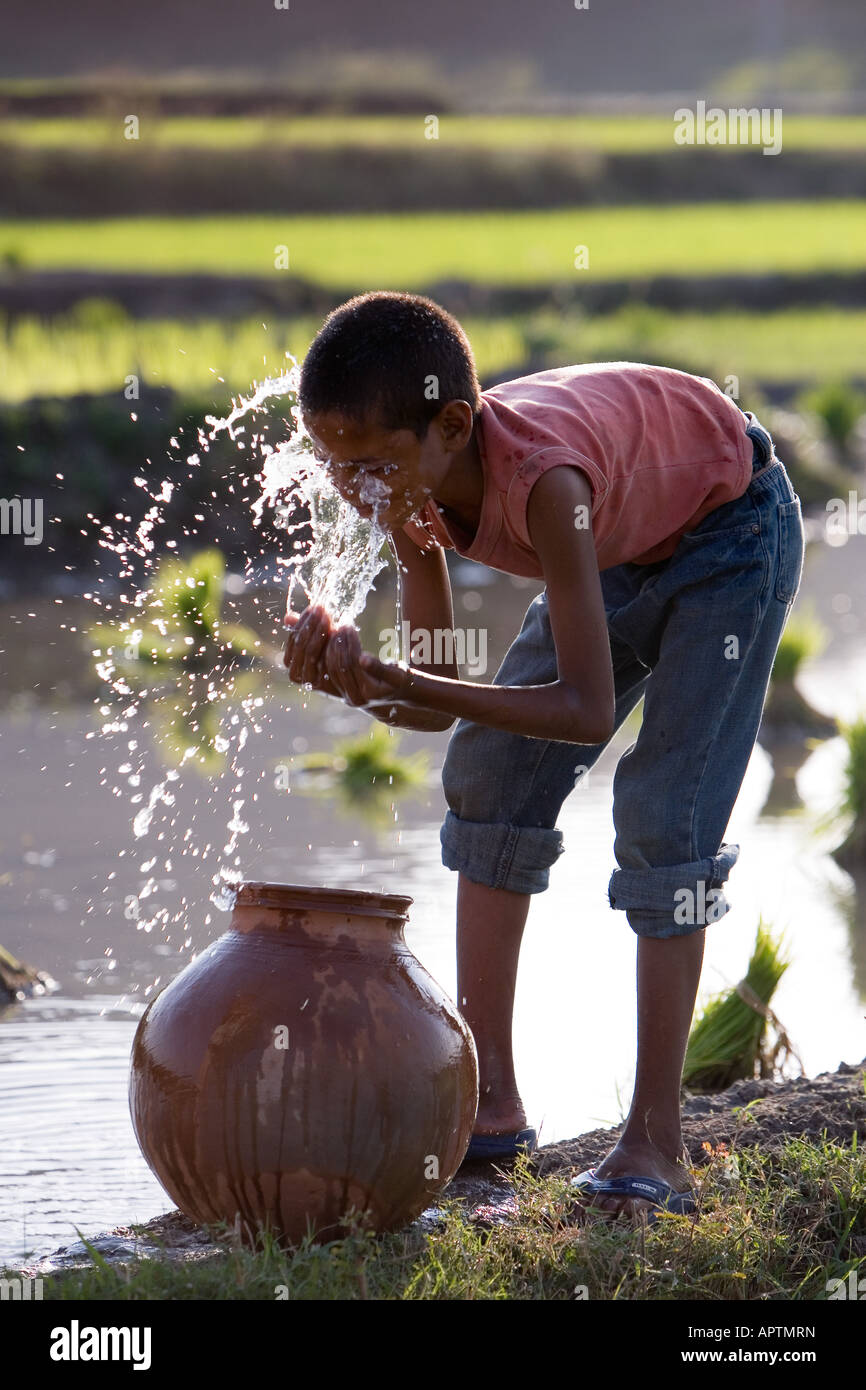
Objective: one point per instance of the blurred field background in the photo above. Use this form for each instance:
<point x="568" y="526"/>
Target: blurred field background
<point x="552" y="211"/>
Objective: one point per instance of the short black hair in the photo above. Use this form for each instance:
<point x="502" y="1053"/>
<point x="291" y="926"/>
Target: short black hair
<point x="392" y="356"/>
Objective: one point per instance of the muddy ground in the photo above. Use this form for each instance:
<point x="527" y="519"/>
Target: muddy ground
<point x="834" y="1101"/>
<point x="766" y="1113"/>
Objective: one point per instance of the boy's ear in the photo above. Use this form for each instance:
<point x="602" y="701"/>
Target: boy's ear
<point x="454" y="421"/>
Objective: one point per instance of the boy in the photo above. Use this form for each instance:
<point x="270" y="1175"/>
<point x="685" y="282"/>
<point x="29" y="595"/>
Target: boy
<point x="671" y="544"/>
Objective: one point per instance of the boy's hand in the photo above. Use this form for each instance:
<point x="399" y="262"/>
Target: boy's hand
<point x="363" y="679"/>
<point x="341" y="658"/>
<point x="306" y="648"/>
<point x="332" y="661"/>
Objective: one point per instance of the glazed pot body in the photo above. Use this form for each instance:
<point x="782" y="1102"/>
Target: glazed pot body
<point x="304" y="1066"/>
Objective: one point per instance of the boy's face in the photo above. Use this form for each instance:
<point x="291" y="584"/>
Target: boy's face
<point x="388" y="474"/>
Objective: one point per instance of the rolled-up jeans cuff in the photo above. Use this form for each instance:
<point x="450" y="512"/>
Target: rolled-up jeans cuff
<point x="676" y="899"/>
<point x="514" y="857"/>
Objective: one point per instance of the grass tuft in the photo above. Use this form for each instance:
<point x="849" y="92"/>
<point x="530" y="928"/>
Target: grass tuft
<point x="851" y="854"/>
<point x="803" y="639"/>
<point x="772" y="1225"/>
<point x="727" y="1042"/>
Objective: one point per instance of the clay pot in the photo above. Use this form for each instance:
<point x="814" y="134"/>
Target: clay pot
<point x="303" y="1065"/>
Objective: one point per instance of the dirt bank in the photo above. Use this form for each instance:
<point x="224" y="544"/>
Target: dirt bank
<point x="767" y="1113"/>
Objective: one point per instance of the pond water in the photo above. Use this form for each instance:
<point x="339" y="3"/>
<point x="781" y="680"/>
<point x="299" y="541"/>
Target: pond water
<point x="70" y="864"/>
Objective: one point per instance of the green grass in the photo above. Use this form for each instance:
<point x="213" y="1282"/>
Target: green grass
<point x="93" y="349"/>
<point x="410" y="250"/>
<point x="370" y="764"/>
<point x="611" y="134"/>
<point x="182" y="630"/>
<point x="803" y="639"/>
<point x="772" y="1226"/>
<point x="363" y="775"/>
<point x="839" y="406"/>
<point x="815" y="344"/>
<point x="853" y="848"/>
<point x="855" y="770"/>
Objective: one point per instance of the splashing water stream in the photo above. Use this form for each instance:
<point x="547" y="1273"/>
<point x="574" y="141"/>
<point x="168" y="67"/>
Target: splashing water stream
<point x="334" y="555"/>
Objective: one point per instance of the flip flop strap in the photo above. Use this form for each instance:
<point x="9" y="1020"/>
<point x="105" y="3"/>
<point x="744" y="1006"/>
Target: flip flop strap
<point x="653" y="1189"/>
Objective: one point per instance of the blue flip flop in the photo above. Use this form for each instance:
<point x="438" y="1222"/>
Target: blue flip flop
<point x="490" y="1147"/>
<point x="650" y="1189"/>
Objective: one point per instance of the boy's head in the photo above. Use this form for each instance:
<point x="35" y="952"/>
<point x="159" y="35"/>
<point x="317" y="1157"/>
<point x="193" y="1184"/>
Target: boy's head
<point x="389" y="394"/>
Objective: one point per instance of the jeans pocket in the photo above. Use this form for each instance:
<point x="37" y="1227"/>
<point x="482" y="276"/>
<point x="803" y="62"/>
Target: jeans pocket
<point x="791" y="551"/>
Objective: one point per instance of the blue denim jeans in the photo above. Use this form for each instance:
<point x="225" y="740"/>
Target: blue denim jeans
<point x="696" y="635"/>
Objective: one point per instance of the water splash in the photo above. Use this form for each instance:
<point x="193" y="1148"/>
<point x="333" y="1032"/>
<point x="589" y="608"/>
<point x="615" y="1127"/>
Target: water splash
<point x="141" y="822"/>
<point x="332" y="556"/>
<point x="336" y="553"/>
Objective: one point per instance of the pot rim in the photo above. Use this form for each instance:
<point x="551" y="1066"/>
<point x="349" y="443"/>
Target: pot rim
<point x="305" y="896"/>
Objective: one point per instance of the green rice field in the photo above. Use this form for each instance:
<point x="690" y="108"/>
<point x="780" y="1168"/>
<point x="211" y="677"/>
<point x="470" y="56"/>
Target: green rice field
<point x="609" y="134"/>
<point x="409" y="251"/>
<point x="93" y="349"/>
<point x="91" y="352"/>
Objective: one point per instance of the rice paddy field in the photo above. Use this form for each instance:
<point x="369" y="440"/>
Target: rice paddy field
<point x="84" y="343"/>
<point x="94" y="347"/>
<point x="508" y="248"/>
<point x="90" y="349"/>
<point x="608" y="134"/>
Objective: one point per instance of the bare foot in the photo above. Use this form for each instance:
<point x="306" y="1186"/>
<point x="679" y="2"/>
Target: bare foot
<point x="644" y="1160"/>
<point x="501" y="1114"/>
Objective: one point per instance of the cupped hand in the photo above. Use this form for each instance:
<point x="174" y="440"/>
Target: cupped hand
<point x="306" y="646"/>
<point x="364" y="679"/>
<point x="332" y="661"/>
<point x="342" y="658"/>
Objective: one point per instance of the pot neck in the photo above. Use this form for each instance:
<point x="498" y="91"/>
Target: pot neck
<point x="329" y="916"/>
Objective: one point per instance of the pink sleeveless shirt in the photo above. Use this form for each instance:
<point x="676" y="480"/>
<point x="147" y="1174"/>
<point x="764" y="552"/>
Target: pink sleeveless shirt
<point x="661" y="449"/>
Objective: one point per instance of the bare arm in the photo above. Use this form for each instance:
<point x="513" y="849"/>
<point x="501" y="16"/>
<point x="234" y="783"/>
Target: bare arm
<point x="426" y="605"/>
<point x="578" y="707"/>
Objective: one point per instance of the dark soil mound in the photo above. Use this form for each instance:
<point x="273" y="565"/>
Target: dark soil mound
<point x="766" y="1113"/>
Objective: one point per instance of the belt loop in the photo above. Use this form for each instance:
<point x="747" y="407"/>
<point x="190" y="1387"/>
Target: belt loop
<point x="762" y="443"/>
